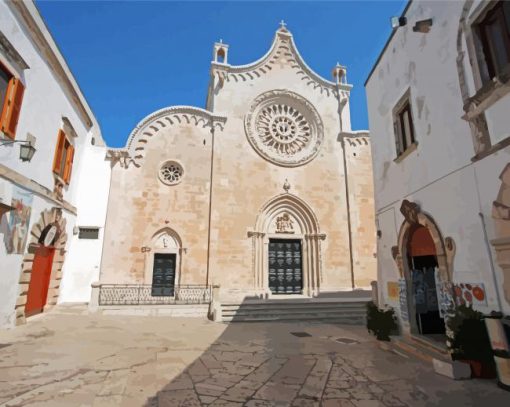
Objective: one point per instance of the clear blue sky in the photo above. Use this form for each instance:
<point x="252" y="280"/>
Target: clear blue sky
<point x="132" y="58"/>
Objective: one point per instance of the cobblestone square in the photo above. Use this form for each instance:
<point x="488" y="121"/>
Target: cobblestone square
<point x="68" y="358"/>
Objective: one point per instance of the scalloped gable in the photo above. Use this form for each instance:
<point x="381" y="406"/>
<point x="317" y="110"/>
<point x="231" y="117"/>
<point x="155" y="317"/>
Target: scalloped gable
<point x="134" y="151"/>
<point x="283" y="45"/>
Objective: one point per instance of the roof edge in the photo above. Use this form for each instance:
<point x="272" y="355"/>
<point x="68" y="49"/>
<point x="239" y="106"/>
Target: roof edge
<point x="406" y="8"/>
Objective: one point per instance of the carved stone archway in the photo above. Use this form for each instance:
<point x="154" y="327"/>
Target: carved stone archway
<point x="444" y="248"/>
<point x="48" y="217"/>
<point x="501" y="216"/>
<point x="165" y="240"/>
<point x="287" y="216"/>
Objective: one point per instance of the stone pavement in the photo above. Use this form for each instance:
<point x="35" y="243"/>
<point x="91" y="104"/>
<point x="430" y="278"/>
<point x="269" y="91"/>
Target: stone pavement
<point x="61" y="359"/>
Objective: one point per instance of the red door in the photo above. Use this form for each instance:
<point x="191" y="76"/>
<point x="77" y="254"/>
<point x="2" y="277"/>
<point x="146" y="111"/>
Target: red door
<point x="39" y="281"/>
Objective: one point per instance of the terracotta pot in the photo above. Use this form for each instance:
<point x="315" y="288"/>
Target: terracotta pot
<point x="481" y="370"/>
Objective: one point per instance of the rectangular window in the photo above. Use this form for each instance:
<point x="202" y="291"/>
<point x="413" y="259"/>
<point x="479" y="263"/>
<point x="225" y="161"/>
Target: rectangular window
<point x="64" y="155"/>
<point x="494" y="31"/>
<point x="88" y="233"/>
<point x="11" y="96"/>
<point x="403" y="123"/>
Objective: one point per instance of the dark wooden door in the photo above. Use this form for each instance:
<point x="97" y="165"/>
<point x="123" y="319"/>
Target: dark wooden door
<point x="39" y="281"/>
<point x="163" y="275"/>
<point x="285" y="266"/>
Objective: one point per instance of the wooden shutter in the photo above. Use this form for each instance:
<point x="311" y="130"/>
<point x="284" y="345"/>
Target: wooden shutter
<point x="396" y="131"/>
<point x="69" y="163"/>
<point x="57" y="159"/>
<point x="12" y="107"/>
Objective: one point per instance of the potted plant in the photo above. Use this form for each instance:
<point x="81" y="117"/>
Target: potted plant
<point x="468" y="341"/>
<point x="381" y="323"/>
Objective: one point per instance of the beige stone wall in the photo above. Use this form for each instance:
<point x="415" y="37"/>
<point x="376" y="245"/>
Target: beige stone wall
<point x="361" y="198"/>
<point x="243" y="182"/>
<point x="141" y="205"/>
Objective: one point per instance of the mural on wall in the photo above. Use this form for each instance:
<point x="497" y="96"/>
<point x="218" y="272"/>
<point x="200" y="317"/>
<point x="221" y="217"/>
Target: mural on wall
<point x="15" y="223"/>
<point x="470" y="294"/>
<point x="402" y="292"/>
<point x="444" y="296"/>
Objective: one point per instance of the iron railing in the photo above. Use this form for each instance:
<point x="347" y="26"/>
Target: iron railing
<point x="141" y="294"/>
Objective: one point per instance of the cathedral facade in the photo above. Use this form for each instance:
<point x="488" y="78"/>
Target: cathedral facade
<point x="267" y="192"/>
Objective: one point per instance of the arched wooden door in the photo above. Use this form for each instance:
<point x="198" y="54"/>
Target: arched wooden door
<point x="39" y="281"/>
<point x="424" y="266"/>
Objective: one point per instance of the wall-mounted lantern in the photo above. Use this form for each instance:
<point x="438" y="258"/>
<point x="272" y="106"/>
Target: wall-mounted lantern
<point x="398" y="22"/>
<point x="26" y="150"/>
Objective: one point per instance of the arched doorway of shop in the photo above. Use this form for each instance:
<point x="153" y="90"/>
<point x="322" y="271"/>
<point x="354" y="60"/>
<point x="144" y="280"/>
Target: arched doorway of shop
<point x="424" y="268"/>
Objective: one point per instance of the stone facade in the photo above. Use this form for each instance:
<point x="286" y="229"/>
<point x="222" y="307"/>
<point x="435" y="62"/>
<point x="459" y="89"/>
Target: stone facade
<point x="33" y="197"/>
<point x="273" y="156"/>
<point x="450" y="176"/>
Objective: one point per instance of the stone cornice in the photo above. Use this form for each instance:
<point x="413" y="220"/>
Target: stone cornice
<point x="34" y="187"/>
<point x="28" y="14"/>
<point x="150" y="125"/>
<point x="283" y="45"/>
<point x="7" y="49"/>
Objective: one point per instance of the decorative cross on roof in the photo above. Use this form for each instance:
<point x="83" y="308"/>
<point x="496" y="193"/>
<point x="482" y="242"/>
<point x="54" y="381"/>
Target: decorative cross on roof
<point x="282" y="24"/>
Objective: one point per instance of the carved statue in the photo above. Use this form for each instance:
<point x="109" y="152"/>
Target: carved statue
<point x="284" y="224"/>
<point x="410" y="211"/>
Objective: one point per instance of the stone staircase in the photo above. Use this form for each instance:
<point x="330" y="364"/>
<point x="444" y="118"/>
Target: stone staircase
<point x="341" y="311"/>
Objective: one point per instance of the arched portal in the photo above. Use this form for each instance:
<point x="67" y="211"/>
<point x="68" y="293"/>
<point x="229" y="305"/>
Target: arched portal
<point x="286" y="248"/>
<point x="163" y="262"/>
<point x="41" y="271"/>
<point x="425" y="261"/>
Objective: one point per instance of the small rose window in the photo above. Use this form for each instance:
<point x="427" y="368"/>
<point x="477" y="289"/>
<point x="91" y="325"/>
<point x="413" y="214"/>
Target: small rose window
<point x="171" y="173"/>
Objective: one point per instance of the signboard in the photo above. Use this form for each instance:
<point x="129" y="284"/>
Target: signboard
<point x="402" y="292"/>
<point x="393" y="290"/>
<point x="497" y="334"/>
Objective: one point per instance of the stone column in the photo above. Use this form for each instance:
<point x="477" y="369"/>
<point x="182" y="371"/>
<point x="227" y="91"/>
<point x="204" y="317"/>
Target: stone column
<point x="375" y="293"/>
<point x="94" y="297"/>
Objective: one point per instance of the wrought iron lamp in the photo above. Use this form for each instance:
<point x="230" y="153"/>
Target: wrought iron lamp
<point x="26" y="150"/>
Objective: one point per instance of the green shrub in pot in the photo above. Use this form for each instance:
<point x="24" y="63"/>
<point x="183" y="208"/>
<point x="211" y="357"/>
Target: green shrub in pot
<point x="381" y="323"/>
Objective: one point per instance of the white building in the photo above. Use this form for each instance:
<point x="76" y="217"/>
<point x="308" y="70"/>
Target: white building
<point x="439" y="105"/>
<point x="45" y="201"/>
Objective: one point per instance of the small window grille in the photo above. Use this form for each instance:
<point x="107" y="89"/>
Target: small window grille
<point x="88" y="233"/>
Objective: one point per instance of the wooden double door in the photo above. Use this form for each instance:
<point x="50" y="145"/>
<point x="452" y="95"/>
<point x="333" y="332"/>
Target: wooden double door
<point x="39" y="281"/>
<point x="163" y="275"/>
<point x="285" y="266"/>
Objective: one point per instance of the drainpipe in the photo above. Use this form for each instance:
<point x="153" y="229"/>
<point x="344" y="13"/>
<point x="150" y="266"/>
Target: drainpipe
<point x="338" y="74"/>
<point x="210" y="207"/>
<point x="491" y="262"/>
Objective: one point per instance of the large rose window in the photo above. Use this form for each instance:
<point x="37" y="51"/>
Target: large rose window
<point x="284" y="128"/>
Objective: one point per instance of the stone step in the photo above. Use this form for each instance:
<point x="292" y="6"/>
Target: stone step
<point x="415" y="348"/>
<point x="248" y="308"/>
<point x="295" y="306"/>
<point x="351" y="320"/>
<point x="319" y="311"/>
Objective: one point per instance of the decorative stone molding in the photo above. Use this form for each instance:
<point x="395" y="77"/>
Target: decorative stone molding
<point x="410" y="211"/>
<point x="283" y="51"/>
<point x="284" y="128"/>
<point x="118" y="155"/>
<point x="134" y="152"/>
<point x="38" y="232"/>
<point x="171" y="172"/>
<point x="501" y="217"/>
<point x="488" y="93"/>
<point x="414" y="217"/>
<point x="309" y="233"/>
